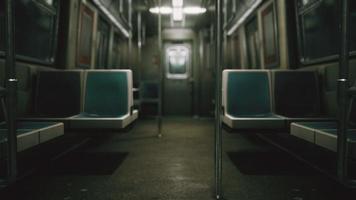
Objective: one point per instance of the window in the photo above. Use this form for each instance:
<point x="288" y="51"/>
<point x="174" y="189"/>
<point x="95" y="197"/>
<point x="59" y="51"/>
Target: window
<point x="115" y="58"/>
<point x="85" y="37"/>
<point x="177" y="62"/>
<point x="36" y="30"/>
<point x="353" y="27"/>
<point x="270" y="37"/>
<point x="253" y="44"/>
<point x="2" y="25"/>
<point x="236" y="57"/>
<point x="319" y="29"/>
<point x="102" y="39"/>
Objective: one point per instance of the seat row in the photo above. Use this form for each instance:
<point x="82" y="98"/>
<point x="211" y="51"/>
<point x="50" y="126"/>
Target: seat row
<point x="79" y="99"/>
<point x="85" y="99"/>
<point x="324" y="133"/>
<point x="270" y="99"/>
<point x="283" y="100"/>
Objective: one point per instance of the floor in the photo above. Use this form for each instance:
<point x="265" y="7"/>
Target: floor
<point x="177" y="166"/>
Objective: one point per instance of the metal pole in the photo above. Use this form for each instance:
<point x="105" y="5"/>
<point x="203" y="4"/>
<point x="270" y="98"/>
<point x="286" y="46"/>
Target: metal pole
<point x="218" y="133"/>
<point x="130" y="36"/>
<point x="343" y="86"/>
<point x="11" y="84"/>
<point x="139" y="43"/>
<point x="161" y="74"/>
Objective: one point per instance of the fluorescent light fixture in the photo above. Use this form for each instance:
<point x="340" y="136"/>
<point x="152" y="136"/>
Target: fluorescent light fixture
<point x="177" y="14"/>
<point x="194" y="10"/>
<point x="164" y="10"/>
<point x="177" y="11"/>
<point x="243" y="17"/>
<point x="177" y="3"/>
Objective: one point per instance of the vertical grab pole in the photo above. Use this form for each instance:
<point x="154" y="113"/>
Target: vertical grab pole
<point x="11" y="84"/>
<point x="139" y="43"/>
<point x="343" y="86"/>
<point x="130" y="34"/>
<point x="218" y="133"/>
<point x="161" y="71"/>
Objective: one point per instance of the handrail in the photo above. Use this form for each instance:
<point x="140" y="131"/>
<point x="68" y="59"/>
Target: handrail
<point x="11" y="95"/>
<point x="218" y="99"/>
<point x="343" y="92"/>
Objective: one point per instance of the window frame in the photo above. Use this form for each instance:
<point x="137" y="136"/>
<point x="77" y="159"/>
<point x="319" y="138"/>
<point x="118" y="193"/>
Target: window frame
<point x="55" y="12"/>
<point x="102" y="22"/>
<point x="273" y="61"/>
<point x="85" y="62"/>
<point x="250" y="20"/>
<point x="299" y="12"/>
<point x="173" y="76"/>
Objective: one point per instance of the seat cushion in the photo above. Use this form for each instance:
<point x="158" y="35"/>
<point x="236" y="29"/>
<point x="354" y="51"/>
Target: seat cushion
<point x="255" y="122"/>
<point x="88" y="115"/>
<point x="306" y="130"/>
<point x="82" y="122"/>
<point x="319" y="125"/>
<point x="26" y="138"/>
<point x="327" y="138"/>
<point x="46" y="130"/>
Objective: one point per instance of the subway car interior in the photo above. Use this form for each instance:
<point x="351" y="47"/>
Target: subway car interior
<point x="177" y="99"/>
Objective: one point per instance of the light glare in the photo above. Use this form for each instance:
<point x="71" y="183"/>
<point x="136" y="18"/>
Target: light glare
<point x="165" y="10"/>
<point x="177" y="14"/>
<point x="194" y="10"/>
<point x="177" y="3"/>
<point x="162" y="10"/>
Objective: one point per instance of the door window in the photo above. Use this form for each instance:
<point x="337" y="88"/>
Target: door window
<point x="177" y="59"/>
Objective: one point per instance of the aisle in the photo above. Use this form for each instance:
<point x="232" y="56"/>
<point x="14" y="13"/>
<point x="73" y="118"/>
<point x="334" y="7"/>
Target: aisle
<point x="138" y="165"/>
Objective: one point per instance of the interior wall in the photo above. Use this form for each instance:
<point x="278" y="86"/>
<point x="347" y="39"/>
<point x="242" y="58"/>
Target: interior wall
<point x="149" y="69"/>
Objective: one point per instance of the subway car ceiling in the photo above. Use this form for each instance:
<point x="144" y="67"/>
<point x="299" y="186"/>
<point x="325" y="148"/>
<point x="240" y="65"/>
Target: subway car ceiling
<point x="258" y="34"/>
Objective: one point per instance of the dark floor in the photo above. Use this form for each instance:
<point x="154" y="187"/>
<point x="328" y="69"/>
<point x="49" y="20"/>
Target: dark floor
<point x="139" y="165"/>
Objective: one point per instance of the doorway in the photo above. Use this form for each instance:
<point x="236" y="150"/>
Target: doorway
<point x="178" y="80"/>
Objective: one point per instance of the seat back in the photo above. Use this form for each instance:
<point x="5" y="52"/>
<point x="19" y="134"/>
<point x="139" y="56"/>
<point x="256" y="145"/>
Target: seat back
<point x="247" y="93"/>
<point x="58" y="93"/>
<point x="107" y="93"/>
<point x="296" y="93"/>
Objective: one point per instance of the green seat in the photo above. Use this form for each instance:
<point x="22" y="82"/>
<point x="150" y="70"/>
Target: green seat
<point x="310" y="131"/>
<point x="34" y="133"/>
<point x="327" y="138"/>
<point x="296" y="96"/>
<point x="26" y="138"/>
<point x="247" y="100"/>
<point x="106" y="100"/>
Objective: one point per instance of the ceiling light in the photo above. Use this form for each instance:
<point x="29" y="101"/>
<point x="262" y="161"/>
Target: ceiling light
<point x="194" y="10"/>
<point x="161" y="10"/>
<point x="177" y="3"/>
<point x="177" y="14"/>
